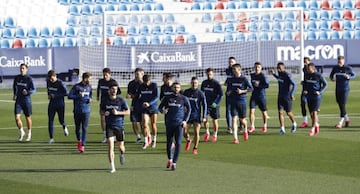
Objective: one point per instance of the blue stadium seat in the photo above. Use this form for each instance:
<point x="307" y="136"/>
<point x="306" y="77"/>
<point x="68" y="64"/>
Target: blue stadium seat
<point x="347" y="25"/>
<point x="228" y="37"/>
<point x="357" y="14"/>
<point x="30" y="43"/>
<point x="93" y="41"/>
<point x="313" y="15"/>
<point x="110" y="7"/>
<point x="168" y="40"/>
<point x="134" y="7"/>
<point x="63" y="2"/>
<point x="278" y="16"/>
<point x="243" y="5"/>
<point x="323" y="35"/>
<point x="324" y="15"/>
<point x="100" y="1"/>
<point x="118" y="41"/>
<point x="290" y="3"/>
<point x="145" y="19"/>
<point x="276" y="36"/>
<point x="289" y="16"/>
<point x="288" y="36"/>
<point x="95" y="31"/>
<point x="7" y="34"/>
<point x="43" y="43"/>
<point x="289" y="26"/>
<point x="158" y="19"/>
<point x="123" y="7"/>
<point x="20" y="33"/>
<point x="347" y="35"/>
<point x="265" y="26"/>
<point x="208" y="6"/>
<point x="196" y="6"/>
<point x="143" y="40"/>
<point x="314" y="5"/>
<point x="254" y="4"/>
<point x="81" y="42"/>
<point x="110" y="21"/>
<point x="206" y="18"/>
<point x="121" y="20"/>
<point x="357" y="25"/>
<point x="231" y="5"/>
<point x="144" y="30"/>
<point x="132" y="31"/>
<point x="335" y="35"/>
<point x="109" y="31"/>
<point x="45" y="32"/>
<point x="336" y="15"/>
<point x="75" y="2"/>
<point x="324" y="26"/>
<point x="134" y="19"/>
<point x="277" y="27"/>
<point x="156" y="30"/>
<point x="72" y="21"/>
<point x="230" y="17"/>
<point x="357" y="34"/>
<point x="191" y="39"/>
<point x="32" y="33"/>
<point x="83" y="31"/>
<point x="130" y="41"/>
<point x="147" y="7"/>
<point x="56" y="42"/>
<point x="170" y="18"/>
<point x="155" y="40"/>
<point x="73" y="10"/>
<point x="180" y="29"/>
<point x="90" y="2"/>
<point x="125" y="1"/>
<point x="217" y="28"/>
<point x="252" y="37"/>
<point x="336" y="4"/>
<point x="229" y="27"/>
<point x="312" y="26"/>
<point x="253" y="27"/>
<point x="169" y="29"/>
<point x="240" y="37"/>
<point x="311" y="35"/>
<point x="5" y="43"/>
<point x="98" y="10"/>
<point x="85" y="20"/>
<point x="266" y="4"/>
<point x="113" y="2"/>
<point x="266" y="17"/>
<point x="58" y="32"/>
<point x="348" y="4"/>
<point x="70" y="32"/>
<point x="302" y="4"/>
<point x="9" y="22"/>
<point x="264" y="36"/>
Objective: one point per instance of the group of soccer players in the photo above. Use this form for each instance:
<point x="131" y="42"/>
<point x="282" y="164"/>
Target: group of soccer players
<point x="182" y="109"/>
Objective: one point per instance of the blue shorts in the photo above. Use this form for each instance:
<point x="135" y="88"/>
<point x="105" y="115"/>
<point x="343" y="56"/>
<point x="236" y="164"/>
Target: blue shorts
<point x="238" y="109"/>
<point x="194" y="119"/>
<point x="314" y="103"/>
<point x="261" y="102"/>
<point x="23" y="106"/>
<point x="284" y="103"/>
<point x="213" y="112"/>
<point x="115" y="131"/>
<point x="150" y="110"/>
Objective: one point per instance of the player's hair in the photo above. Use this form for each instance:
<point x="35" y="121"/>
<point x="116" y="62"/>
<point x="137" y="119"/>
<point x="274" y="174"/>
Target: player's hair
<point x="280" y="64"/>
<point x="311" y="65"/>
<point x="209" y="69"/>
<point x="340" y="57"/>
<point x="146" y="77"/>
<point x="231" y="58"/>
<point x="113" y="83"/>
<point x="168" y="75"/>
<point x="51" y="73"/>
<point x="86" y="75"/>
<point x="236" y="65"/>
<point x="194" y="78"/>
<point x="106" y="70"/>
<point x="257" y="63"/>
<point x="139" y="69"/>
<point x="307" y="58"/>
<point x="24" y="64"/>
<point x="175" y="83"/>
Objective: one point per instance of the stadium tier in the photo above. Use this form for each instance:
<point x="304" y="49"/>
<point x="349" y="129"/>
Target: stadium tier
<point x="54" y="22"/>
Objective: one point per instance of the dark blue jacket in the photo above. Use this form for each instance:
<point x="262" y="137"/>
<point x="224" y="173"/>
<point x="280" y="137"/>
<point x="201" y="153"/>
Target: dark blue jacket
<point x="81" y="104"/>
<point x="178" y="109"/>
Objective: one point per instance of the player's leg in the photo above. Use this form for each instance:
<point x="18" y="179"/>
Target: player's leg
<point x="235" y="126"/>
<point x="169" y="142"/>
<point x="228" y="115"/>
<point x="61" y="115"/>
<point x="111" y="154"/>
<point x="288" y="108"/>
<point x="303" y="101"/>
<point x="153" y="120"/>
<point x="242" y="120"/>
<point x="197" y="127"/>
<point x="263" y="107"/>
<point x="252" y="115"/>
<point x="103" y="126"/>
<point x="84" y="127"/>
<point x="135" y="118"/>
<point x="178" y="134"/>
<point x="187" y="136"/>
<point x="19" y="125"/>
<point x="145" y="129"/>
<point x="207" y="126"/>
<point x="27" y="108"/>
<point x="121" y="145"/>
<point x="51" y="116"/>
<point x="281" y="116"/>
<point x="215" y="117"/>
<point x="77" y="120"/>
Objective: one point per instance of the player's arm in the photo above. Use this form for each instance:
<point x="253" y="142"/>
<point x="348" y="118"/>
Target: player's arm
<point x="293" y="88"/>
<point x="332" y="73"/>
<point x="220" y="94"/>
<point x="272" y="71"/>
<point x="98" y="91"/>
<point x="74" y="94"/>
<point x="204" y="105"/>
<point x="124" y="109"/>
<point x="249" y="86"/>
<point x="14" y="89"/>
<point x="31" y="87"/>
<point x="265" y="82"/>
<point x="324" y="84"/>
<point x="351" y="73"/>
<point x="162" y="107"/>
<point x="156" y="96"/>
<point x="188" y="112"/>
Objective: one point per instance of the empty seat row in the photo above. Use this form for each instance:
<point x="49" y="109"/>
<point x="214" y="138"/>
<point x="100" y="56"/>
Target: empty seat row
<point x="99" y="9"/>
<point x="92" y="2"/>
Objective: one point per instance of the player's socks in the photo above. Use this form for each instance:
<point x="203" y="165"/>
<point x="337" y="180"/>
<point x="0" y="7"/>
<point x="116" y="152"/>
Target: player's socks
<point x="22" y="134"/>
<point x="305" y="119"/>
<point x="122" y="158"/>
<point x="29" y="135"/>
<point x="112" y="167"/>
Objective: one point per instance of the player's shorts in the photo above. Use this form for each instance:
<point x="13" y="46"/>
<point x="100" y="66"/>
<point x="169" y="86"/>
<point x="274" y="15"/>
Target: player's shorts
<point x="24" y="106"/>
<point x="214" y="112"/>
<point x="341" y="96"/>
<point x="150" y="110"/>
<point x="314" y="103"/>
<point x="260" y="102"/>
<point x="135" y="116"/>
<point x="115" y="131"/>
<point x="238" y="109"/>
<point x="284" y="103"/>
<point x="194" y="120"/>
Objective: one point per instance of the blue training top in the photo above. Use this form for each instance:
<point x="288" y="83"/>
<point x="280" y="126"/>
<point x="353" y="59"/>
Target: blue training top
<point x="102" y="90"/>
<point x="197" y="100"/>
<point x="118" y="104"/>
<point x="213" y="91"/>
<point x="339" y="73"/>
<point x="235" y="83"/>
<point x="314" y="82"/>
<point x="285" y="82"/>
<point x="132" y="90"/>
<point x="179" y="109"/>
<point x="58" y="91"/>
<point x="23" y="82"/>
<point x="148" y="93"/>
<point x="263" y="83"/>
<point x="81" y="104"/>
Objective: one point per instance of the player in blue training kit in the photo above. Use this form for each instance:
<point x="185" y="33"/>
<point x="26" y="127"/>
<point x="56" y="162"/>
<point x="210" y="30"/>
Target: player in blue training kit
<point x="314" y="86"/>
<point x="229" y="74"/>
<point x="135" y="109"/>
<point x="166" y="89"/>
<point x="23" y="87"/>
<point x="148" y="97"/>
<point x="177" y="109"/>
<point x="198" y="113"/>
<point x="56" y="92"/>
<point x="81" y="93"/>
<point x="102" y="93"/>
<point x="213" y="94"/>
<point x="302" y="97"/>
<point x="258" y="97"/>
<point x="114" y="108"/>
<point x="287" y="88"/>
<point x="236" y="90"/>
<point x="342" y="74"/>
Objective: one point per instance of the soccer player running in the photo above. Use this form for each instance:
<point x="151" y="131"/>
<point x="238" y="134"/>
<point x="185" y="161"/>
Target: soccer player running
<point x="314" y="86"/>
<point x="258" y="97"/>
<point x="287" y="87"/>
<point x="102" y="93"/>
<point x="177" y="110"/>
<point x="166" y="89"/>
<point x="213" y="93"/>
<point x="198" y="113"/>
<point x="229" y="74"/>
<point x="135" y="109"/>
<point x="148" y="97"/>
<point x="81" y="94"/>
<point x="114" y="108"/>
<point x="236" y="90"/>
<point x="23" y="88"/>
<point x="302" y="97"/>
<point x="56" y="93"/>
<point x="342" y="74"/>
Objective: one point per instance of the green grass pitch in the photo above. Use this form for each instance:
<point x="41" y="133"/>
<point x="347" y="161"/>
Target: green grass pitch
<point x="266" y="163"/>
